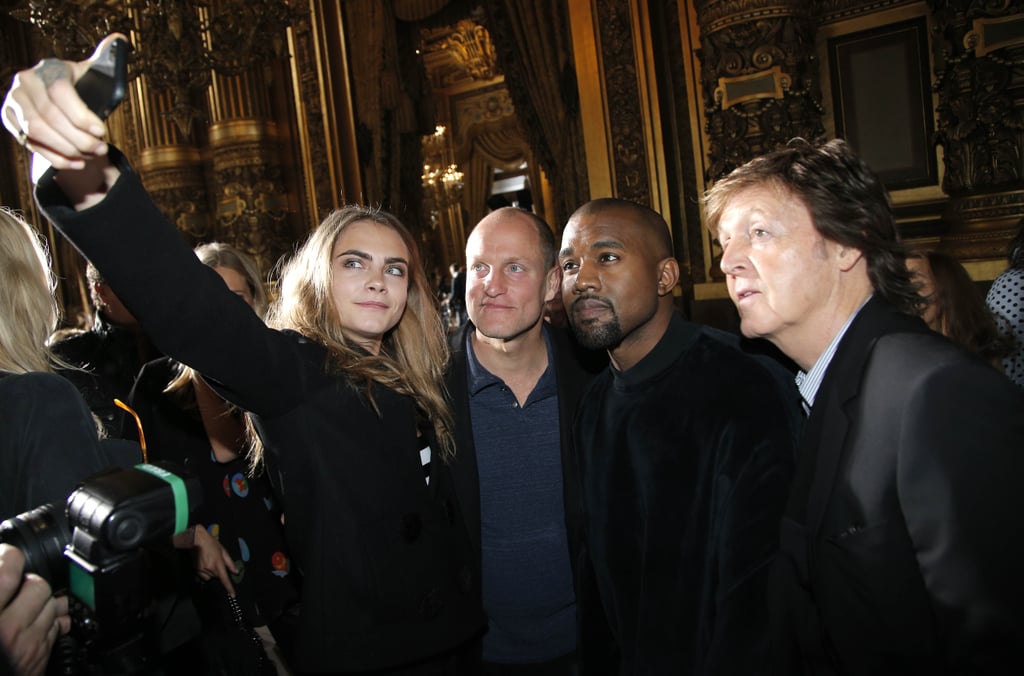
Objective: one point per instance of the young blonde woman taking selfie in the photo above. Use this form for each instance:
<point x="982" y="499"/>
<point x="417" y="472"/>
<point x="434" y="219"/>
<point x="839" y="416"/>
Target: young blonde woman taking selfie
<point x="343" y="388"/>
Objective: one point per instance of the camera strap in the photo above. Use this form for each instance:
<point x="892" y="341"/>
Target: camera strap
<point x="177" y="485"/>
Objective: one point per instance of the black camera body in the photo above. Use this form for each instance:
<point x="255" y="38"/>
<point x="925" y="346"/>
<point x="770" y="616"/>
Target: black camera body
<point x="110" y="549"/>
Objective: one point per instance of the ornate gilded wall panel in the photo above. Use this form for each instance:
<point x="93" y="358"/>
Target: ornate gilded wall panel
<point x="625" y="117"/>
<point x="470" y="46"/>
<point x="195" y="62"/>
<point x="979" y="76"/>
<point x="314" y="154"/>
<point x="169" y="163"/>
<point x="484" y="107"/>
<point x="681" y="210"/>
<point x="979" y="127"/>
<point x="250" y="199"/>
<point x="324" y="129"/>
<point x="251" y="204"/>
<point x="251" y="208"/>
<point x="174" y="177"/>
<point x="746" y="44"/>
<point x="841" y="10"/>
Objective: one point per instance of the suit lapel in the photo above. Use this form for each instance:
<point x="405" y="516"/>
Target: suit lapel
<point x="828" y="450"/>
<point x="571" y="380"/>
<point x="829" y="423"/>
<point x="464" y="467"/>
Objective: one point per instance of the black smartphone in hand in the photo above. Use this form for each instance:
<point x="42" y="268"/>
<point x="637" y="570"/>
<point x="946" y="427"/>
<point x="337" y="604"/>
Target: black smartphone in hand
<point x="105" y="84"/>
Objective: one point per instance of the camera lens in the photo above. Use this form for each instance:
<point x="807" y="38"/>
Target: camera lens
<point x="41" y="534"/>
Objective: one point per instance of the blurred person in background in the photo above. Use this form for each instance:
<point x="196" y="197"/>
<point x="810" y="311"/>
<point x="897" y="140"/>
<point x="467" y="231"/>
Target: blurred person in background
<point x="105" y="358"/>
<point x="955" y="307"/>
<point x="237" y="537"/>
<point x="49" y="440"/>
<point x="1006" y="300"/>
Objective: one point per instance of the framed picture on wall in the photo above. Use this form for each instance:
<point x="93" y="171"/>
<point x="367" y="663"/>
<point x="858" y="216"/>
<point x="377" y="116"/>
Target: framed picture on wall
<point x="882" y="101"/>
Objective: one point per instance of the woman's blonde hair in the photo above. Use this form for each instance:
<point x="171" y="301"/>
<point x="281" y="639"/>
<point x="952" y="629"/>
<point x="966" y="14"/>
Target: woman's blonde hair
<point x="413" y="354"/>
<point x="28" y="310"/>
<point x="220" y="255"/>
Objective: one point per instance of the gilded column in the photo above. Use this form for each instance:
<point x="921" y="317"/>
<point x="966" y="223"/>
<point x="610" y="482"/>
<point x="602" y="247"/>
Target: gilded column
<point x="249" y="193"/>
<point x="979" y="77"/>
<point x="325" y="125"/>
<point x="759" y="76"/>
<point x="170" y="165"/>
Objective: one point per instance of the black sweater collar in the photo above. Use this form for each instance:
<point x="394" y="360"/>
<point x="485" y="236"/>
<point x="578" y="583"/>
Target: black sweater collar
<point x="677" y="339"/>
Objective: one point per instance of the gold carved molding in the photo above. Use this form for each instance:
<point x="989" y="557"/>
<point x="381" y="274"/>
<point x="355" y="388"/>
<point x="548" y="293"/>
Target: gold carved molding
<point x="487" y="107"/>
<point x="239" y="131"/>
<point x="832" y="11"/>
<point x="167" y="157"/>
<point x="769" y="84"/>
<point x="174" y="177"/>
<point x="767" y="46"/>
<point x="988" y="34"/>
<point x="978" y="54"/>
<point x="720" y="14"/>
<point x="617" y="36"/>
<point x="470" y="46"/>
<point x="251" y="203"/>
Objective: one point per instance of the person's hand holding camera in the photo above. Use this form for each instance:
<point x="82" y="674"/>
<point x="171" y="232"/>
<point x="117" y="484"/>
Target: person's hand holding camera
<point x="31" y="618"/>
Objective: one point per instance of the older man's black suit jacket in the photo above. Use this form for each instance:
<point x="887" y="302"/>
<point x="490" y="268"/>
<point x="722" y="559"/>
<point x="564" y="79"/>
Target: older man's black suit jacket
<point x="903" y="545"/>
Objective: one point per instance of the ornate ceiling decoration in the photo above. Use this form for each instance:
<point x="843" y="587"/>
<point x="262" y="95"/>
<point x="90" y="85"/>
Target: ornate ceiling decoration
<point x="463" y="53"/>
<point x="471" y="47"/>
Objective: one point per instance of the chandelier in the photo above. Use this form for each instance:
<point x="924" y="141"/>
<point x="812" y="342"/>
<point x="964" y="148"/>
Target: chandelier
<point x="178" y="44"/>
<point x="442" y="180"/>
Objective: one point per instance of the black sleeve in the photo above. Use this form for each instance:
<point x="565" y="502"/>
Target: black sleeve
<point x="183" y="305"/>
<point x="50" y="442"/>
<point x="961" y="457"/>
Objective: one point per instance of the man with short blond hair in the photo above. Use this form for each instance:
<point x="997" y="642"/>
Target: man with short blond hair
<point x="514" y="383"/>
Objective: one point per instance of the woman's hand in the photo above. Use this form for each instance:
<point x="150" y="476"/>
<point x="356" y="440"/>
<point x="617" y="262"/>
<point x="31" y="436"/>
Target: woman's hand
<point x="44" y="112"/>
<point x="212" y="560"/>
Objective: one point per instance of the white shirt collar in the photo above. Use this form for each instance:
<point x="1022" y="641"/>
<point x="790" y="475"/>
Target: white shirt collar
<point x="808" y="383"/>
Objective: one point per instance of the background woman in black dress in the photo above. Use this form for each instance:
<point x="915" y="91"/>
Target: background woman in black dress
<point x="237" y="537"/>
